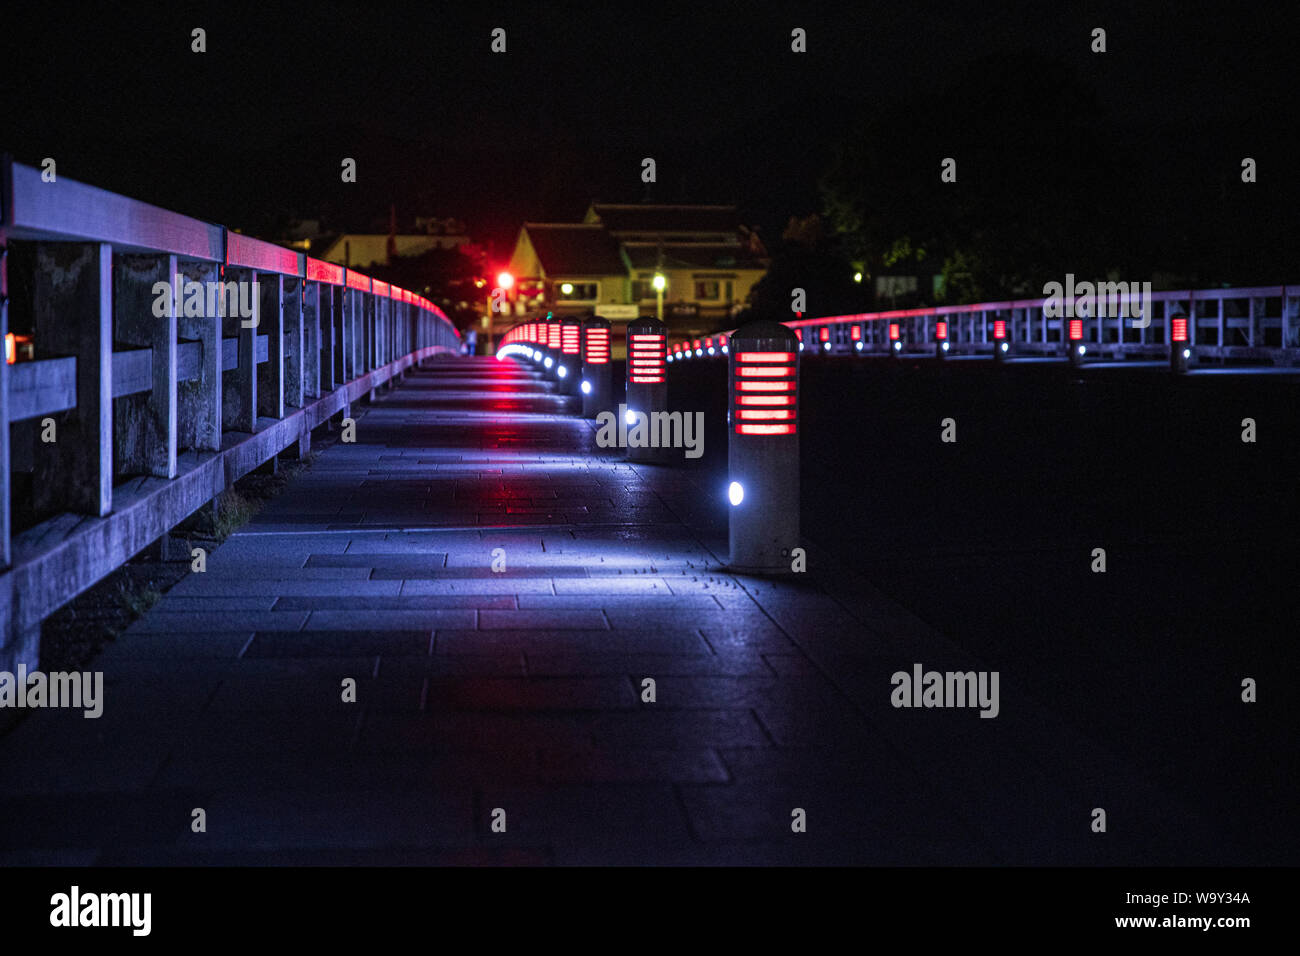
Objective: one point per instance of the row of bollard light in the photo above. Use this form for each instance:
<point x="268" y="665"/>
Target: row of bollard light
<point x="762" y="405"/>
<point x="1180" y="348"/>
<point x="762" y="412"/>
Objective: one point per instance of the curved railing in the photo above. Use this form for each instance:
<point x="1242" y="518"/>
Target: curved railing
<point x="151" y="360"/>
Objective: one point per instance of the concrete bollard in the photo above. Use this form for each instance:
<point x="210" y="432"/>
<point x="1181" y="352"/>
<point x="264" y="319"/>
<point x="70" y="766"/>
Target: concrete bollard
<point x="595" y="384"/>
<point x="895" y="340"/>
<point x="569" y="369"/>
<point x="1180" y="346"/>
<point x="647" y="379"/>
<point x="824" y="337"/>
<point x="941" y="340"/>
<point x="551" y="346"/>
<point x="763" y="447"/>
<point x="855" y="336"/>
<point x="1001" y="344"/>
<point x="1077" y="350"/>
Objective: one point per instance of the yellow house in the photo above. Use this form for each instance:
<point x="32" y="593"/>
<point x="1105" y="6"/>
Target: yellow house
<point x="606" y="264"/>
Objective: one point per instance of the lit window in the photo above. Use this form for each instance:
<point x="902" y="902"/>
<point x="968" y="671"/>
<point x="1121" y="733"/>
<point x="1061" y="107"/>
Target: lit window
<point x="578" y="291"/>
<point x="708" y="289"/>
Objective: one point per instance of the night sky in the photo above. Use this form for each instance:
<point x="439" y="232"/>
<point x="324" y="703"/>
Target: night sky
<point x="253" y="130"/>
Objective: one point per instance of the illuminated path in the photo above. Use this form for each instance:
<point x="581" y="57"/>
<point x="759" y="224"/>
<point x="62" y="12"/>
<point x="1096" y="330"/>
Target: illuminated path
<point x="521" y="689"/>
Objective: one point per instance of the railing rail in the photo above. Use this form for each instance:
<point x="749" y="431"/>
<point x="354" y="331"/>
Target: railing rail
<point x="142" y="407"/>
<point x="1247" y="324"/>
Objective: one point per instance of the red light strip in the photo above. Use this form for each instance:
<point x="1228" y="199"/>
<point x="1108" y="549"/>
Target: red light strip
<point x="825" y="334"/>
<point x="893" y="331"/>
<point x="319" y="271"/>
<point x="1180" y="330"/>
<point x="999" y="328"/>
<point x="1076" y="329"/>
<point x="646" y="356"/>
<point x="769" y="414"/>
<point x="774" y="375"/>
<point x="855" y="332"/>
<point x="597" y="346"/>
<point x="941" y="330"/>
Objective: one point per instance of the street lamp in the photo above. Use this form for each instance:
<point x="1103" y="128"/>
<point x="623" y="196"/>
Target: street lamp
<point x="659" y="283"/>
<point x="504" y="281"/>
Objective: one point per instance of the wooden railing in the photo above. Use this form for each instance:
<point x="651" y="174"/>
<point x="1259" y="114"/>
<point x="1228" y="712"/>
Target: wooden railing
<point x="140" y="406"/>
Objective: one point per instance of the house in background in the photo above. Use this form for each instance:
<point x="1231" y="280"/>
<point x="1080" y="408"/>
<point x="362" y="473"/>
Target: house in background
<point x="361" y="250"/>
<point x="606" y="264"/>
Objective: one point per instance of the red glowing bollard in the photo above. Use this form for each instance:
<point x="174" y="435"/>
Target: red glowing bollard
<point x="763" y="450"/>
<point x="1180" y="344"/>
<point x="595" y="383"/>
<point x="1077" y="350"/>
<point x="647" y="379"/>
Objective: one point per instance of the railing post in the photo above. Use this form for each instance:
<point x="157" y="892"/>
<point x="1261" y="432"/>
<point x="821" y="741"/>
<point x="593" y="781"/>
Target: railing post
<point x="239" y="389"/>
<point x="357" y="353"/>
<point x="1290" y="315"/>
<point x="270" y="374"/>
<point x="372" y="333"/>
<point x="73" y="315"/>
<point x="199" y="401"/>
<point x="6" y="478"/>
<point x="294" y="364"/>
<point x="146" y="436"/>
<point x="342" y="341"/>
<point x="328" y="331"/>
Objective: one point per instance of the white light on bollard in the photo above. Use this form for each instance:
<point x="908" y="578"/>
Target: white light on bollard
<point x="898" y="346"/>
<point x="944" y="346"/>
<point x="631" y="417"/>
<point x="1083" y="350"/>
<point x="826" y="346"/>
<point x="586" y="388"/>
<point x="1005" y="346"/>
<point x="548" y="361"/>
<point x="1187" y="353"/>
<point x="735" y="493"/>
<point x="563" y="371"/>
<point x="858" y="345"/>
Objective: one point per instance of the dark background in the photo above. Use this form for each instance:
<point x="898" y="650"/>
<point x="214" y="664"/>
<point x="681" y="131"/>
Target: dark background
<point x="1146" y="139"/>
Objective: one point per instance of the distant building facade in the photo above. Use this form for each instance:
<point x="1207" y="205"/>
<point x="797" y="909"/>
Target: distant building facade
<point x="607" y="264"/>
